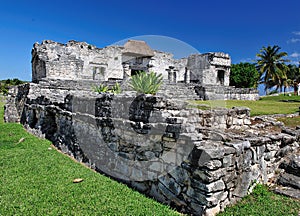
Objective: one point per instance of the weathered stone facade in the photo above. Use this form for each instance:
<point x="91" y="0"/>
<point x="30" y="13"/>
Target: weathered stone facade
<point x="78" y="61"/>
<point x="198" y="161"/>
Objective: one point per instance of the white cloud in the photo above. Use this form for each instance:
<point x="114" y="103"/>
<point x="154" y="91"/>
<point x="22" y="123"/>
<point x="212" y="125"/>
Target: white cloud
<point x="295" y="55"/>
<point x="296" y="32"/>
<point x="294" y="40"/>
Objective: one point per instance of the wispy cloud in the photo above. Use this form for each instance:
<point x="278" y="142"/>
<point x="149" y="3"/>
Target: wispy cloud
<point x="294" y="40"/>
<point x="295" y="55"/>
<point x="296" y="32"/>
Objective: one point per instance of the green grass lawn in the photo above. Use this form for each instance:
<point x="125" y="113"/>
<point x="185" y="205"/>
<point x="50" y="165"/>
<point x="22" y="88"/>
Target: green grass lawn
<point x="264" y="106"/>
<point x="263" y="202"/>
<point x="35" y="180"/>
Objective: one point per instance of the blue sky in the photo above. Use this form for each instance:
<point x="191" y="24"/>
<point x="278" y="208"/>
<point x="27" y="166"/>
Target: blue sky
<point x="237" y="27"/>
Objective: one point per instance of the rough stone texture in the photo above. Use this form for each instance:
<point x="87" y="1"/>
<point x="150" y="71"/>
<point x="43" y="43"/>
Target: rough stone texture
<point x="198" y="161"/>
<point x="212" y="92"/>
<point x="290" y="174"/>
<point x="210" y="68"/>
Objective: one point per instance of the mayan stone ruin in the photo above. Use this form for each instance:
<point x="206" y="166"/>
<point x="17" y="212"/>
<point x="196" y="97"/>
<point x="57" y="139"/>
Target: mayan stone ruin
<point x="196" y="160"/>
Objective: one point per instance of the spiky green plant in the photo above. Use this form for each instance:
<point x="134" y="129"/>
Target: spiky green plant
<point x="147" y="83"/>
<point x="116" y="89"/>
<point x="101" y="88"/>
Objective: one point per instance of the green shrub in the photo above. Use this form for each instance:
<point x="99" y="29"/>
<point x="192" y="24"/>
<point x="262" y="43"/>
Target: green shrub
<point x="147" y="83"/>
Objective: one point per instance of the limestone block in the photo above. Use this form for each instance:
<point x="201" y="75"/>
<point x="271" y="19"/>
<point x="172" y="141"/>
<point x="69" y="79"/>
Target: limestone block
<point x="180" y="175"/>
<point x="210" y="149"/>
<point x="210" y="187"/>
<point x="211" y="165"/>
<point x="292" y="165"/>
<point x="289" y="180"/>
<point x="287" y="139"/>
<point x="247" y="121"/>
<point x="171" y="184"/>
<point x="238" y="121"/>
<point x="240" y="146"/>
<point x="228" y="161"/>
<point x="274" y="146"/>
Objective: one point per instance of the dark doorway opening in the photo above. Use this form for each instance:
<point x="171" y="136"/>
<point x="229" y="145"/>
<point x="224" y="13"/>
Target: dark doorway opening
<point x="135" y="72"/>
<point x="221" y="77"/>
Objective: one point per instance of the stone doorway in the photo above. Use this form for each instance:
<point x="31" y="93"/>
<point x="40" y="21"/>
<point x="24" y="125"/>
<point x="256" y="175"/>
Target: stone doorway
<point x="221" y="77"/>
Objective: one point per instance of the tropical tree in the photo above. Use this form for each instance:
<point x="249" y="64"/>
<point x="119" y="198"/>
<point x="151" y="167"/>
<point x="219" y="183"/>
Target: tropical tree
<point x="272" y="67"/>
<point x="244" y="75"/>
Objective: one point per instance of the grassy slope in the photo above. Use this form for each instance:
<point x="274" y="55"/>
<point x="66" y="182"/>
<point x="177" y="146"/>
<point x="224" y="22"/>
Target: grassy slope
<point x="37" y="181"/>
<point x="265" y="106"/>
<point x="262" y="202"/>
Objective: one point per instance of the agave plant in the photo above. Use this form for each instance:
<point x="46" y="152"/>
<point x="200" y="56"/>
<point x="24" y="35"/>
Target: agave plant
<point x="101" y="88"/>
<point x="116" y="89"/>
<point x="147" y="83"/>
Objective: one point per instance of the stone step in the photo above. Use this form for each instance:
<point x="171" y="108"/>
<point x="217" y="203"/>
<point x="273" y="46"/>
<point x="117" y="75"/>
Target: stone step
<point x="287" y="191"/>
<point x="289" y="180"/>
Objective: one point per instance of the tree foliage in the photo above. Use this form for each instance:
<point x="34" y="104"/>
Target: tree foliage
<point x="5" y="84"/>
<point x="272" y="67"/>
<point x="244" y="75"/>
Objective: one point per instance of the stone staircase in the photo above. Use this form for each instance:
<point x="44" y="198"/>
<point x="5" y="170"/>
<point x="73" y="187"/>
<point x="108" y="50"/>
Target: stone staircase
<point x="180" y="91"/>
<point x="289" y="180"/>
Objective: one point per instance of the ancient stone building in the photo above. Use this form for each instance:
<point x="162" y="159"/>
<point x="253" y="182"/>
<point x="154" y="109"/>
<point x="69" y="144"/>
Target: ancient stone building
<point x="207" y="74"/>
<point x="81" y="61"/>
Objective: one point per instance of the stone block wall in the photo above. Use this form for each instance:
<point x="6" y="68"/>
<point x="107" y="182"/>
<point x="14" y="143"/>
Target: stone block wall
<point x="210" y="92"/>
<point x="197" y="161"/>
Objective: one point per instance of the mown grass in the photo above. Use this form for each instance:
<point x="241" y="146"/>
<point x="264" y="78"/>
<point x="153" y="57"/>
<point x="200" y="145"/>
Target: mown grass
<point x="36" y="179"/>
<point x="291" y="122"/>
<point x="263" y="202"/>
<point x="265" y="106"/>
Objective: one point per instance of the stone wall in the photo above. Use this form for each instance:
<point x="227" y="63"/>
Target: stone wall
<point x="197" y="161"/>
<point x="212" y="92"/>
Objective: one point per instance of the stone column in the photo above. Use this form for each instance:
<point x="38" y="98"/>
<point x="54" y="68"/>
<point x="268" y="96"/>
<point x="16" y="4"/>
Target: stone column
<point x="175" y="73"/>
<point x="187" y="76"/>
<point x="126" y="71"/>
<point x="170" y="75"/>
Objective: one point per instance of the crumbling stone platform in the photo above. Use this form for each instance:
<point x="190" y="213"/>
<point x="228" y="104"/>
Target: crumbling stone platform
<point x="198" y="161"/>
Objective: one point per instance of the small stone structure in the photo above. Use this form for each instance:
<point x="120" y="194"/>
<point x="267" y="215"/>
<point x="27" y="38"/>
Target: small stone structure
<point x="197" y="161"/>
<point x="80" y="61"/>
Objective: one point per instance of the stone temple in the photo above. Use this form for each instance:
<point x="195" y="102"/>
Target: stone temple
<point x="207" y="75"/>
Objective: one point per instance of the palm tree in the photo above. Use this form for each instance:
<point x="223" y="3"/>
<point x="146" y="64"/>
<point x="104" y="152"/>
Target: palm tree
<point x="271" y="66"/>
<point x="286" y="84"/>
